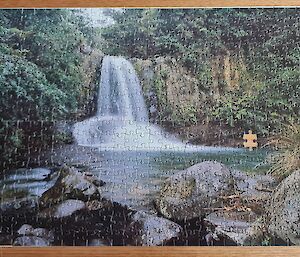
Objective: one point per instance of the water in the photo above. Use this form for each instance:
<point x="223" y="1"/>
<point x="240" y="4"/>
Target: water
<point x="122" y="148"/>
<point x="121" y="122"/>
<point x="122" y="119"/>
<point x="25" y="184"/>
<point x="131" y="155"/>
<point x="136" y="156"/>
<point x="135" y="178"/>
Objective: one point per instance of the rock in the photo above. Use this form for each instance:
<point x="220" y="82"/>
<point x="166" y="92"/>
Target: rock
<point x="62" y="210"/>
<point x="209" y="186"/>
<point x="31" y="241"/>
<point x="71" y="184"/>
<point x="93" y="179"/>
<point x="25" y="230"/>
<point x="236" y="226"/>
<point x="44" y="233"/>
<point x="195" y="192"/>
<point x="255" y="191"/>
<point x="180" y="85"/>
<point x="68" y="207"/>
<point x="28" y="230"/>
<point x="285" y="209"/>
<point x="258" y="234"/>
<point x="210" y="238"/>
<point x="22" y="188"/>
<point x="98" y="205"/>
<point x="150" y="230"/>
<point x="85" y="49"/>
<point x="250" y="185"/>
<point x="97" y="242"/>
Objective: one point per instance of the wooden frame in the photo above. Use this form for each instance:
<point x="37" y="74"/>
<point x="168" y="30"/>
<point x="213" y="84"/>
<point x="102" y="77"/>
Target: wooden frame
<point x="148" y="251"/>
<point x="165" y="251"/>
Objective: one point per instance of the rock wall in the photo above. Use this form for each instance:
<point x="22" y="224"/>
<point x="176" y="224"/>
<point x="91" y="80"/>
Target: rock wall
<point x="227" y="70"/>
<point x="181" y="101"/>
<point x="285" y="209"/>
<point x="91" y="67"/>
<point x="171" y="91"/>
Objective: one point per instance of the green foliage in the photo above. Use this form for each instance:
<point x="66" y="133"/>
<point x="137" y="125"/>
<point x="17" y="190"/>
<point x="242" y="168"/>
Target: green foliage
<point x="24" y="84"/>
<point x="185" y="116"/>
<point x="268" y="40"/>
<point x="287" y="157"/>
<point x="250" y="111"/>
<point x="145" y="33"/>
<point x="10" y="137"/>
<point x="167" y="116"/>
<point x="61" y="137"/>
<point x="162" y="106"/>
<point x="40" y="71"/>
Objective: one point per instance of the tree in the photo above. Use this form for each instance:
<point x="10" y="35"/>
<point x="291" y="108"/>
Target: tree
<point x="40" y="72"/>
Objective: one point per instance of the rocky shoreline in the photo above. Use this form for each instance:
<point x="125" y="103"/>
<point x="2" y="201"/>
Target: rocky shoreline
<point x="206" y="204"/>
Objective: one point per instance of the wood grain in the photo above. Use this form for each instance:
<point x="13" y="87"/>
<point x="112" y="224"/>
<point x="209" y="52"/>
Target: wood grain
<point x="141" y="3"/>
<point x="163" y="251"/>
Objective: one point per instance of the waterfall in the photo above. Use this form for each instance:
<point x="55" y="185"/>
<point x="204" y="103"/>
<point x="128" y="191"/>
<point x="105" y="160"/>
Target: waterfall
<point x="121" y="121"/>
<point x="120" y="93"/>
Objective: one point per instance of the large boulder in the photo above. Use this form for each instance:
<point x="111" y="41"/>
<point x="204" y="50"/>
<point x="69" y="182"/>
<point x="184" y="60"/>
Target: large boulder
<point x="243" y="228"/>
<point x="196" y="191"/>
<point x="285" y="210"/>
<point x="62" y="210"/>
<point x="210" y="186"/>
<point x="71" y="184"/>
<point x="150" y="230"/>
<point x="254" y="190"/>
<point x="28" y="230"/>
<point x="73" y="191"/>
<point x="31" y="241"/>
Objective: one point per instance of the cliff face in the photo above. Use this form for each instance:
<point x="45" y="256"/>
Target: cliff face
<point x="181" y="101"/>
<point x="91" y="67"/>
<point x="227" y="71"/>
<point x="170" y="90"/>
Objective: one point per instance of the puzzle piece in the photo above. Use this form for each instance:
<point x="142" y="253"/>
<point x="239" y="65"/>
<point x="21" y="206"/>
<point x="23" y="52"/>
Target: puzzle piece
<point x="250" y="140"/>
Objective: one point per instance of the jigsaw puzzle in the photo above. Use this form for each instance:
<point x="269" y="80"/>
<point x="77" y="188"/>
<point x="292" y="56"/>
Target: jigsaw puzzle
<point x="149" y="127"/>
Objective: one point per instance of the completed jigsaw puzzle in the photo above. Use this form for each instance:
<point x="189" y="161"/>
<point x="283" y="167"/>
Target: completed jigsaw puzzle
<point x="149" y="127"/>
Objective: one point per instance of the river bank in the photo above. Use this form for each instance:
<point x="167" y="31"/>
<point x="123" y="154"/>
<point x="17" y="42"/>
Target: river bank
<point x="129" y="185"/>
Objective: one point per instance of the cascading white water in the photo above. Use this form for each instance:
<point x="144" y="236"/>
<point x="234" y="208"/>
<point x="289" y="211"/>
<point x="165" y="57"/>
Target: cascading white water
<point x="120" y="94"/>
<point x="121" y="121"/>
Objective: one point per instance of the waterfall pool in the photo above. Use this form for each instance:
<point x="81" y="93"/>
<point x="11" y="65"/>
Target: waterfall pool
<point x="134" y="178"/>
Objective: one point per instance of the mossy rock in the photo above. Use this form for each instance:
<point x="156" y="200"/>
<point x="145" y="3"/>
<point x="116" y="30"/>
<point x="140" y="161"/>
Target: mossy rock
<point x="71" y="184"/>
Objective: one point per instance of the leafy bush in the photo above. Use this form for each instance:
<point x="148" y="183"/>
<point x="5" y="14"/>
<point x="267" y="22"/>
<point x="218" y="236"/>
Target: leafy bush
<point x="40" y="73"/>
<point x="287" y="158"/>
<point x="264" y="111"/>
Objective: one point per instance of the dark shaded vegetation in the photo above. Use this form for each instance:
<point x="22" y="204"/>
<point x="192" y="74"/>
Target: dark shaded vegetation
<point x="40" y="76"/>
